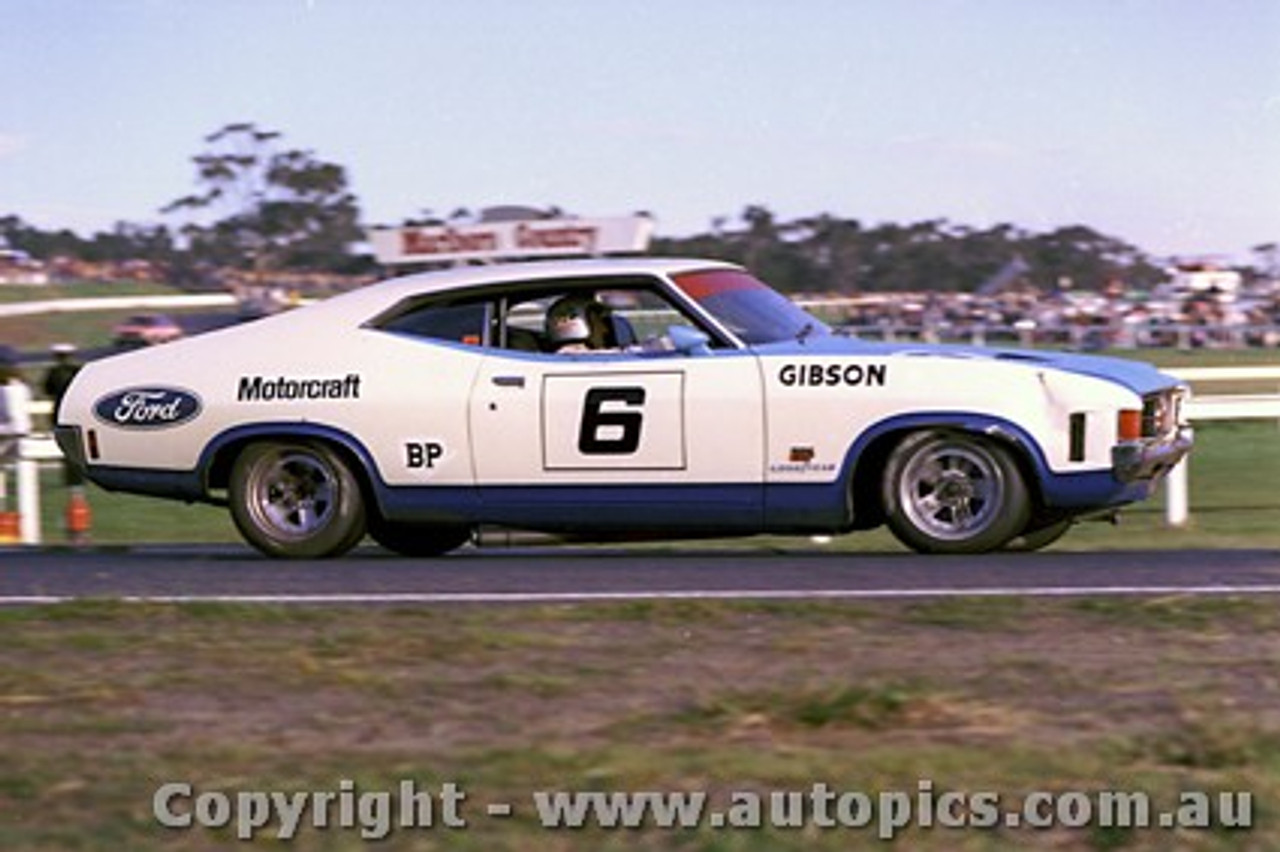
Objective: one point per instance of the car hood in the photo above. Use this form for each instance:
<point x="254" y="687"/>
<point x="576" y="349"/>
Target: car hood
<point x="1137" y="376"/>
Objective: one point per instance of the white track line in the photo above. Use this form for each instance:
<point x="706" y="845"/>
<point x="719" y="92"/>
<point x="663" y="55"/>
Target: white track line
<point x="596" y="597"/>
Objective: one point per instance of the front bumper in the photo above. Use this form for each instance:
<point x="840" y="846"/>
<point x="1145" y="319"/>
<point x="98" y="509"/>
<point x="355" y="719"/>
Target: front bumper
<point x="1149" y="459"/>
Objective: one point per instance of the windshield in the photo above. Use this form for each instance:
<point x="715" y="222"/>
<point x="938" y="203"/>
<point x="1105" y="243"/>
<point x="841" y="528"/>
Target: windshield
<point x="751" y="310"/>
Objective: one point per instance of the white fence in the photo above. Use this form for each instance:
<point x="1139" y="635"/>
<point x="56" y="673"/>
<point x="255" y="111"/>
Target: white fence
<point x="32" y="450"/>
<point x="116" y="303"/>
<point x="39" y="448"/>
<point x="1224" y="407"/>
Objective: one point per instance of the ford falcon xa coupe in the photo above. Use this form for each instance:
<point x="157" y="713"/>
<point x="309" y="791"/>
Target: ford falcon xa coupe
<point x="606" y="399"/>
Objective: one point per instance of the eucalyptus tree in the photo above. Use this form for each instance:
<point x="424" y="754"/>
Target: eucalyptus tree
<point x="264" y="206"/>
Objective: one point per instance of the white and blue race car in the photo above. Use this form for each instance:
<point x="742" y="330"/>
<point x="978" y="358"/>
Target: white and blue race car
<point x="614" y="398"/>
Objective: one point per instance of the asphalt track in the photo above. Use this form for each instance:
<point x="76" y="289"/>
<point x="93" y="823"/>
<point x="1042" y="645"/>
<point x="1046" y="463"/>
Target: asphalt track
<point x="371" y="576"/>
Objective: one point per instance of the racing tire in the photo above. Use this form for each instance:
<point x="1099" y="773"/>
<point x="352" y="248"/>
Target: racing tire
<point x="1037" y="537"/>
<point x="296" y="500"/>
<point x="418" y="539"/>
<point x="954" y="492"/>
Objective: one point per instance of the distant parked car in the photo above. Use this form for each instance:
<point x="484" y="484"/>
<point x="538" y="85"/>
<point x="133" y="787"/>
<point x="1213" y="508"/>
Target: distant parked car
<point x="145" y="330"/>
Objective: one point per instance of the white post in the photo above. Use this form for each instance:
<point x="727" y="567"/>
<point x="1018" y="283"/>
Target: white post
<point x="28" y="500"/>
<point x="1176" y="512"/>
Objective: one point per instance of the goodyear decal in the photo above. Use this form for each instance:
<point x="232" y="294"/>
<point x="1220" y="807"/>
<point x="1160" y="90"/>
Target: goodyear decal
<point x="833" y="375"/>
<point x="802" y="460"/>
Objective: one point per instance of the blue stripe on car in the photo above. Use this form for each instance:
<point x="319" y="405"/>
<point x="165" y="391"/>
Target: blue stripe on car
<point x="689" y="508"/>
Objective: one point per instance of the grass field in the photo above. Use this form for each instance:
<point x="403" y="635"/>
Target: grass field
<point x="103" y="702"/>
<point x="83" y="290"/>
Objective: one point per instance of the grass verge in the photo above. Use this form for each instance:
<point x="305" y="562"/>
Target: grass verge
<point x="102" y="702"/>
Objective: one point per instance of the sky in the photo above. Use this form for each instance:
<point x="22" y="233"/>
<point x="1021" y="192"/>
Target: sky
<point x="1154" y="121"/>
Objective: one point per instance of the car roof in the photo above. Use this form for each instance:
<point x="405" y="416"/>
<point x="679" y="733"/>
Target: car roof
<point x="391" y="290"/>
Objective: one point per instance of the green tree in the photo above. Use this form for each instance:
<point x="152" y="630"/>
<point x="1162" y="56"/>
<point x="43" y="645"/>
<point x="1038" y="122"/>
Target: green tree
<point x="267" y="207"/>
<point x="128" y="241"/>
<point x="835" y="247"/>
<point x="826" y="253"/>
<point x="18" y="234"/>
<point x="1087" y="258"/>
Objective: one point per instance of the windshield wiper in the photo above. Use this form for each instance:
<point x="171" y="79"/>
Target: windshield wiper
<point x="804" y="333"/>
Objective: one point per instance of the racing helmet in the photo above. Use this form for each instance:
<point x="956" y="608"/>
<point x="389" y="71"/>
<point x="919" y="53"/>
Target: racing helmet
<point x="567" y="320"/>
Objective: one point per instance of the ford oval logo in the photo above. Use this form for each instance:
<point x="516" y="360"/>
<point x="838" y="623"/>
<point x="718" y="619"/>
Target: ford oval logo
<point x="147" y="408"/>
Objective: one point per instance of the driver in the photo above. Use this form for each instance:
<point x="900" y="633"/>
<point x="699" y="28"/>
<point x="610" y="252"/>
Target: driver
<point x="576" y="323"/>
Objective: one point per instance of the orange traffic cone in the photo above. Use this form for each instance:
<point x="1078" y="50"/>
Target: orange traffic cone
<point x="79" y="517"/>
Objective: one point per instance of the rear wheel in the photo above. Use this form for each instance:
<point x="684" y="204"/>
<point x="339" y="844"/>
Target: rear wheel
<point x="953" y="492"/>
<point x="418" y="539"/>
<point x="296" y="500"/>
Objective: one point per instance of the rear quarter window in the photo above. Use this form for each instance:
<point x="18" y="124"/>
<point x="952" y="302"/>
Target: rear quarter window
<point x="464" y="323"/>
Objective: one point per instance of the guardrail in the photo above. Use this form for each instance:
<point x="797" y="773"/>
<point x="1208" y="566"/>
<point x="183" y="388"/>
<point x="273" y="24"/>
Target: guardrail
<point x="1225" y="407"/>
<point x="40" y="447"/>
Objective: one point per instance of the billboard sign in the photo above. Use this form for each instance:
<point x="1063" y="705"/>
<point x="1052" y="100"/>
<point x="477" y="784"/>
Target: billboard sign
<point x="531" y="238"/>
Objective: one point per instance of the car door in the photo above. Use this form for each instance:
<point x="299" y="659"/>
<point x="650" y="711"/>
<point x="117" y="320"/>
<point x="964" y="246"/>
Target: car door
<point x="619" y="441"/>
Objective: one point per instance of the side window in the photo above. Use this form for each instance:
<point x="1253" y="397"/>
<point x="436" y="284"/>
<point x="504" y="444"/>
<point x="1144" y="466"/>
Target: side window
<point x="643" y="314"/>
<point x="641" y="320"/>
<point x="463" y="323"/>
<point x="618" y="319"/>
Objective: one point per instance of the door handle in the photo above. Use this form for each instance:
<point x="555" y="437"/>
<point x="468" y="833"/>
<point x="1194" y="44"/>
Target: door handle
<point x="509" y="381"/>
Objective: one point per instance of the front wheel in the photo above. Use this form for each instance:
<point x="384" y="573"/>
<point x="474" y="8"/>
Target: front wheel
<point x="952" y="492"/>
<point x="296" y="500"/>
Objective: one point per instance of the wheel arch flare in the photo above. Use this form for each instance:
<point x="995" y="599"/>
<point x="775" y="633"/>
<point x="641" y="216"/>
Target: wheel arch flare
<point x="219" y="455"/>
<point x="866" y="459"/>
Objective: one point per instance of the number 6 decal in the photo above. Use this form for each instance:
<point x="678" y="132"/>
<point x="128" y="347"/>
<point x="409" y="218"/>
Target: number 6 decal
<point x="596" y="420"/>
